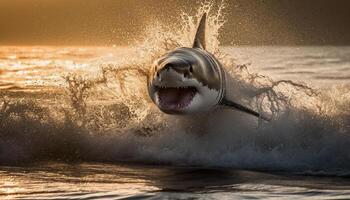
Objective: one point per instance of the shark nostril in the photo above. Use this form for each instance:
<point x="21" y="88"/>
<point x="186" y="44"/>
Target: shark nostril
<point x="191" y="69"/>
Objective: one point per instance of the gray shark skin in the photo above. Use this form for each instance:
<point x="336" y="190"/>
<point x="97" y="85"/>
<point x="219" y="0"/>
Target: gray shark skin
<point x="191" y="80"/>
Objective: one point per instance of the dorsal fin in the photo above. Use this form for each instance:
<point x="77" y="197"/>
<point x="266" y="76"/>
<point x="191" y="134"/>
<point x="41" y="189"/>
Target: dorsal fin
<point x="199" y="40"/>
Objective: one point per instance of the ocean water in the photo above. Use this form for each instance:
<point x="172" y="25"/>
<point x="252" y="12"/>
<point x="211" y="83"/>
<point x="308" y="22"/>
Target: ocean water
<point x="59" y="141"/>
<point x="317" y="66"/>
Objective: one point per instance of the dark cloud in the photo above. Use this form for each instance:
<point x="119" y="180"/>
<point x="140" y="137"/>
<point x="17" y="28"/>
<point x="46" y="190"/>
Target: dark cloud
<point x="107" y="22"/>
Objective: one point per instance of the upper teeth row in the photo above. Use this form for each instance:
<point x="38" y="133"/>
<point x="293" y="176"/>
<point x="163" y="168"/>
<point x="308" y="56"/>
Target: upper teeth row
<point x="179" y="87"/>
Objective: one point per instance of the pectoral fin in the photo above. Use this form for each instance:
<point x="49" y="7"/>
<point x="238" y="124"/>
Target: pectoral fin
<point x="241" y="108"/>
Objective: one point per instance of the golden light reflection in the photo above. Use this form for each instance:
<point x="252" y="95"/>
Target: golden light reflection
<point x="82" y="179"/>
<point x="11" y="186"/>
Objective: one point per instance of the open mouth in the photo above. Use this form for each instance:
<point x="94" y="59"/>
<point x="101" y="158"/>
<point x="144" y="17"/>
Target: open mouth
<point x="175" y="98"/>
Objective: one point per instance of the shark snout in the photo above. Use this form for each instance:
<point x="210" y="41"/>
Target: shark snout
<point x="169" y="76"/>
<point x="180" y="66"/>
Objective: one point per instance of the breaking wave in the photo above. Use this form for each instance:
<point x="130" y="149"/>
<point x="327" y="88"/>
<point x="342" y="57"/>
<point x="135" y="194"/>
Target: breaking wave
<point x="109" y="118"/>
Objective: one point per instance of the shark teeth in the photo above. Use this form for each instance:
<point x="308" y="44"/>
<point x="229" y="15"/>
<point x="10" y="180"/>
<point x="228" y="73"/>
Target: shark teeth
<point x="175" y="98"/>
<point x="177" y="87"/>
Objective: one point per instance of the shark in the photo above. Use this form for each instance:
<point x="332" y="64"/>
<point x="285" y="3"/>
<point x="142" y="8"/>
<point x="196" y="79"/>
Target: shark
<point x="187" y="80"/>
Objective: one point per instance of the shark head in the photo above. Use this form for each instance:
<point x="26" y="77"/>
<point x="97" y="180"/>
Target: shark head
<point x="187" y="80"/>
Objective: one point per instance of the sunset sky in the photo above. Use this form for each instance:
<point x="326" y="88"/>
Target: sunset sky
<point x="118" y="22"/>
